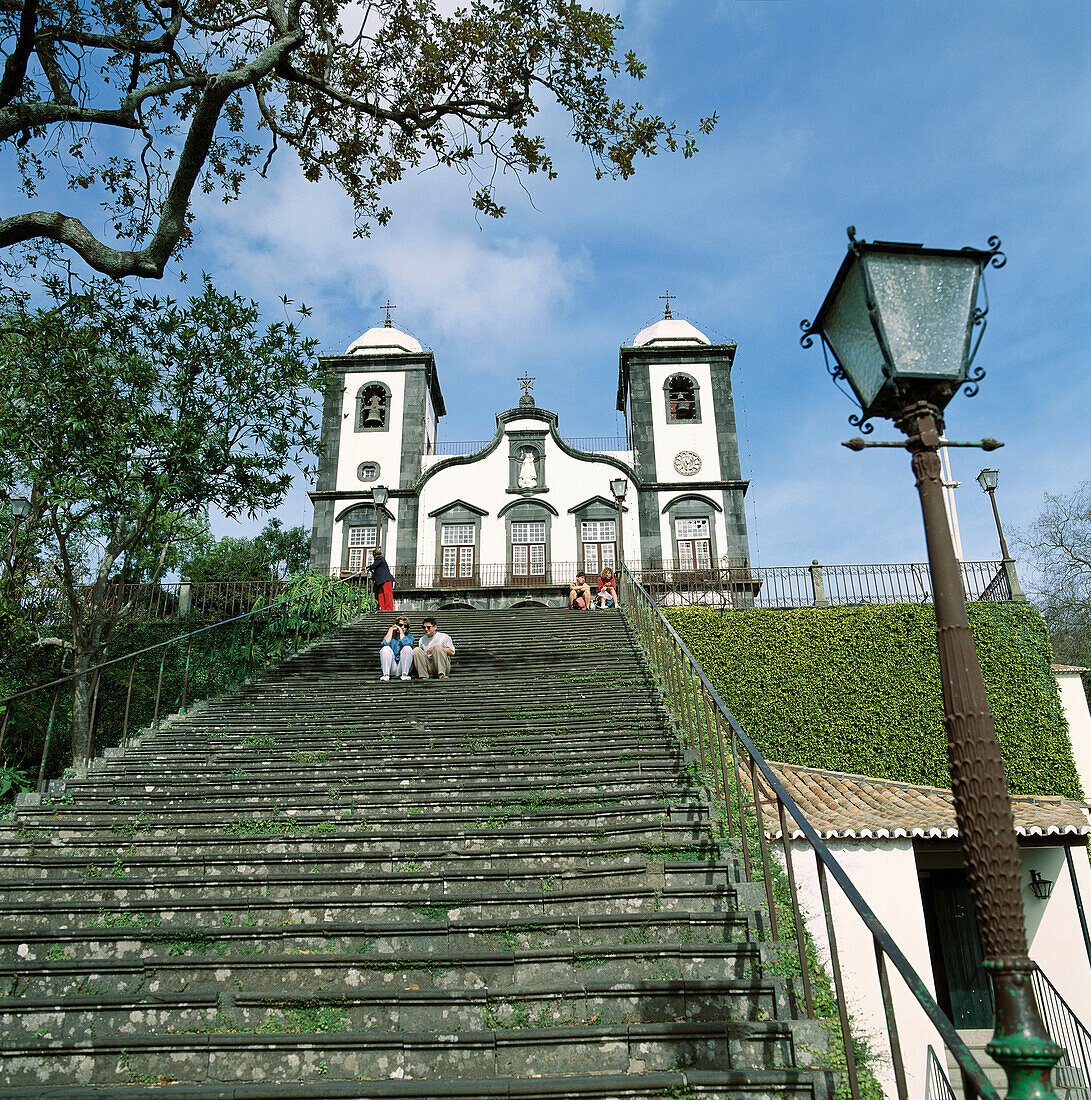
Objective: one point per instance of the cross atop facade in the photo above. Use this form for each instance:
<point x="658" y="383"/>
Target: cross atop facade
<point x="388" y="307"/>
<point x="667" y="308"/>
<point x="527" y="383"/>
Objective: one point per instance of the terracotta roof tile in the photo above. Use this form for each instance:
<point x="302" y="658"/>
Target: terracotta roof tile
<point x="838" y="804"/>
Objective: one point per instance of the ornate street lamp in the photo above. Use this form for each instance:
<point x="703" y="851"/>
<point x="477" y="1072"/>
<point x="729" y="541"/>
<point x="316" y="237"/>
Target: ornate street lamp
<point x="619" y="487"/>
<point x="898" y="321"/>
<point x="380" y="494"/>
<point x="19" y="508"/>
<point x="988" y="480"/>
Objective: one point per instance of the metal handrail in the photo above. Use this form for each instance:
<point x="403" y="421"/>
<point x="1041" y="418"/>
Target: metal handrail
<point x="1073" y="1071"/>
<point x="937" y="1085"/>
<point x="701" y="708"/>
<point x="269" y="615"/>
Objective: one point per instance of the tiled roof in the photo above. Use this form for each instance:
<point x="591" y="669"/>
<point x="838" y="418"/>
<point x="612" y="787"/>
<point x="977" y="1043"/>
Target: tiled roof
<point x="842" y="805"/>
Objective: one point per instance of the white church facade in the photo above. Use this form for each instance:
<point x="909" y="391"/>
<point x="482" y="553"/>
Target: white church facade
<point x="516" y="517"/>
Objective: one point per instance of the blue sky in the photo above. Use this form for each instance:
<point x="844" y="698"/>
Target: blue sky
<point x="942" y="123"/>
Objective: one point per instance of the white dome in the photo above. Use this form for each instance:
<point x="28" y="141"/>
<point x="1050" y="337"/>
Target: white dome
<point x="383" y="340"/>
<point x="670" y="332"/>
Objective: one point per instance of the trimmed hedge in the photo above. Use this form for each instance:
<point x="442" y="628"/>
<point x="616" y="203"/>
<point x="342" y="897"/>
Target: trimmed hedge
<point x="856" y="689"/>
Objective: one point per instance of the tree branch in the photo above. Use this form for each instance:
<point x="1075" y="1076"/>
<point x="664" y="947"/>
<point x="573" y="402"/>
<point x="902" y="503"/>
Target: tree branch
<point x="16" y="68"/>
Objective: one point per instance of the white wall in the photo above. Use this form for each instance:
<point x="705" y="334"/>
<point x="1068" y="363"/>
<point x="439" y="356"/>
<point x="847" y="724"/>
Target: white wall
<point x="484" y="484"/>
<point x="672" y="438"/>
<point x="382" y="447"/>
<point x="1054" y="939"/>
<point x="885" y="873"/>
<point x="1074" y="705"/>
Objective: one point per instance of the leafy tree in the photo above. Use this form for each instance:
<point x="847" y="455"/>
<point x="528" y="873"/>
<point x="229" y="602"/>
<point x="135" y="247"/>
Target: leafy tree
<point x="140" y="103"/>
<point x="275" y="553"/>
<point x="1059" y="545"/>
<point x="126" y="417"/>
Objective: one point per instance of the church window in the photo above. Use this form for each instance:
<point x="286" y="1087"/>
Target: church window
<point x="599" y="539"/>
<point x="457" y="551"/>
<point x="528" y="551"/>
<point x="682" y="404"/>
<point x="368" y="471"/>
<point x="694" y="540"/>
<point x="361" y="539"/>
<point x="373" y="408"/>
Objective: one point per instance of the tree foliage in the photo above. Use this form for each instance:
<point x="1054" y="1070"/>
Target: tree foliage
<point x="275" y="553"/>
<point x="1058" y="544"/>
<point x="142" y="102"/>
<point x="124" y="418"/>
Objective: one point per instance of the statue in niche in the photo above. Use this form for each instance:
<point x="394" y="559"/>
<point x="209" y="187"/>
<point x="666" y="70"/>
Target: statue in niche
<point x="528" y="474"/>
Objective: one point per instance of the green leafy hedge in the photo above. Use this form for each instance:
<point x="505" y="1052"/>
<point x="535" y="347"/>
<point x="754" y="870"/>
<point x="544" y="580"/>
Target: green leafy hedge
<point x="856" y="689"/>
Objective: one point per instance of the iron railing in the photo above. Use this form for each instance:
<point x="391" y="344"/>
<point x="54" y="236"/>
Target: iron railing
<point x="937" y="1085"/>
<point x="221" y="655"/>
<point x="158" y="602"/>
<point x="733" y="586"/>
<point x="1072" y="1074"/>
<point x="738" y="585"/>
<point x="732" y="772"/>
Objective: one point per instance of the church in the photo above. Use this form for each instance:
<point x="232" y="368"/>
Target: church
<point x="510" y="521"/>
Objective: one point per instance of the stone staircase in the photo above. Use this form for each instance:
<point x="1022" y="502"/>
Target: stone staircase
<point x="500" y="885"/>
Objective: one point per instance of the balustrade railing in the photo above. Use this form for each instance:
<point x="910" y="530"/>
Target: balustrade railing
<point x="736" y="772"/>
<point x="938" y="1085"/>
<point x="1072" y="1074"/>
<point x="132" y="691"/>
<point x="595" y="444"/>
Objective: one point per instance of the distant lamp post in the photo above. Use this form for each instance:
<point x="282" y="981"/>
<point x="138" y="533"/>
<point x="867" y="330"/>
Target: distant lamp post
<point x="20" y="509"/>
<point x="898" y="321"/>
<point x="619" y="487"/>
<point x="988" y="480"/>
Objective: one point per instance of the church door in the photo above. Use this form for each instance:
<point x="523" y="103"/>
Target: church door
<point x="528" y="556"/>
<point x="599" y="545"/>
<point x="694" y="544"/>
<point x="457" y="561"/>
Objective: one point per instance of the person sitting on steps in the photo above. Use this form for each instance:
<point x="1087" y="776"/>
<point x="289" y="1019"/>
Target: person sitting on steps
<point x="433" y="656"/>
<point x="396" y="650"/>
<point x="579" y="594"/>
<point x="607" y="594"/>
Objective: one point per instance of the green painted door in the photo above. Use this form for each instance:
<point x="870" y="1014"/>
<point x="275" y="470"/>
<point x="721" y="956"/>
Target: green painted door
<point x="960" y="946"/>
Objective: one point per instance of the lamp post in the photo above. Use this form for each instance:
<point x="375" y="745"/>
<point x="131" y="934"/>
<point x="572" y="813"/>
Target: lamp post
<point x="20" y="509"/>
<point x="898" y="321"/>
<point x="619" y="487"/>
<point x="988" y="480"/>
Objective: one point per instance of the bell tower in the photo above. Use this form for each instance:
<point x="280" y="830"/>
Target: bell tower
<point x="674" y="387"/>
<point x="379" y="419"/>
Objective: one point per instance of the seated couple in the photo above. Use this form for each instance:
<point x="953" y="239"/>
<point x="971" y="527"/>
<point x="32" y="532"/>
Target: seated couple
<point x="399" y="650"/>
<point x="579" y="595"/>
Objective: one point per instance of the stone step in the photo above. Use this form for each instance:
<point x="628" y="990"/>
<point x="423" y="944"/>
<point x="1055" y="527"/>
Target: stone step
<point x="580" y="1004"/>
<point x="241" y="880"/>
<point x="513" y="1052"/>
<point x="401" y="838"/>
<point x="329" y="857"/>
<point x="307" y="907"/>
<point x="24" y="947"/>
<point x="691" y="1084"/>
<point x="241" y="791"/>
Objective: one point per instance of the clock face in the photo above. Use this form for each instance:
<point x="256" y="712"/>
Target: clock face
<point x="686" y="462"/>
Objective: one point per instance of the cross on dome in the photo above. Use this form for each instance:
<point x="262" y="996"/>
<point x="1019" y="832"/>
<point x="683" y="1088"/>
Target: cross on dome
<point x="667" y="308"/>
<point x="388" y="307"/>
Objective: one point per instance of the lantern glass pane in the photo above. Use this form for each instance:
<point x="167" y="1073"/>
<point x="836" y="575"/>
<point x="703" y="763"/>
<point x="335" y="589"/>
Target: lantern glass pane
<point x="848" y="329"/>
<point x="925" y="305"/>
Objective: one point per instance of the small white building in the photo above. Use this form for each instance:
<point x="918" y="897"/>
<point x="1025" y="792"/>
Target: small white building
<point x="511" y="519"/>
<point x="898" y="843"/>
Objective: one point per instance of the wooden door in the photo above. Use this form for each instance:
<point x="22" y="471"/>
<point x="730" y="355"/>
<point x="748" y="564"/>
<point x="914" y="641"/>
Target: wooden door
<point x="961" y="951"/>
